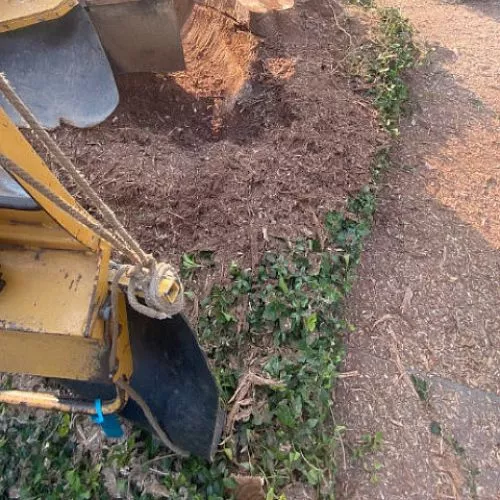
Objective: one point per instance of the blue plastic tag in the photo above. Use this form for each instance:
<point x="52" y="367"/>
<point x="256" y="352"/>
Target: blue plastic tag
<point x="110" y="424"/>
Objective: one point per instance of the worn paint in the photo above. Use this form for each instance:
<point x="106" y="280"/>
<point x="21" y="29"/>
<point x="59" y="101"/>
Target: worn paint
<point x="52" y="402"/>
<point x="15" y="14"/>
<point x="56" y="271"/>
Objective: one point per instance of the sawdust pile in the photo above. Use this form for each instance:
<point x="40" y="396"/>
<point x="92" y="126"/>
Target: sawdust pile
<point x="256" y="140"/>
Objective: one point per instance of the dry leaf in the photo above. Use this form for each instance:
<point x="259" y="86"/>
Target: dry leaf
<point x="109" y="481"/>
<point x="249" y="488"/>
<point x="241" y="398"/>
<point x="157" y="490"/>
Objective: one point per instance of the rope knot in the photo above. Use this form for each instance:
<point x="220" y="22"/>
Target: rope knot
<point x="160" y="287"/>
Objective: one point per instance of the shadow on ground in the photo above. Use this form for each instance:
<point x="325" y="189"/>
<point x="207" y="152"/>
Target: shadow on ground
<point x="427" y="298"/>
<point x="490" y="8"/>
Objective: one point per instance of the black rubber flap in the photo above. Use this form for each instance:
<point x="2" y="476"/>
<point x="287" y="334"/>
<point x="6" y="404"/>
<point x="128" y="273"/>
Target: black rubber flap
<point x="172" y="375"/>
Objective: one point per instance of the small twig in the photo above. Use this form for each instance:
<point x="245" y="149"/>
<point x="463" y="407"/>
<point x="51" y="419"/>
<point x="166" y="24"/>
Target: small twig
<point x="405" y="304"/>
<point x="399" y="364"/>
<point x="157" y="459"/>
<point x="454" y="488"/>
<point x="396" y="423"/>
<point x="173" y="214"/>
<point x="160" y="472"/>
<point x="241" y="396"/>
<point x="383" y="319"/>
<point x="319" y="230"/>
<point x="343" y="30"/>
<point x="222" y="13"/>
<point x="187" y="221"/>
<point x="337" y="24"/>
<point x="354" y="373"/>
<point x="253" y="247"/>
<point x="344" y="460"/>
<point x="443" y="259"/>
<point x="80" y="432"/>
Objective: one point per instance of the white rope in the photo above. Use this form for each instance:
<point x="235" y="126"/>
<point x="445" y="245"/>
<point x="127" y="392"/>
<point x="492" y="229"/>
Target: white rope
<point x="156" y="307"/>
<point x="142" y="280"/>
<point x="146" y="274"/>
<point x="132" y="247"/>
<point x="81" y="217"/>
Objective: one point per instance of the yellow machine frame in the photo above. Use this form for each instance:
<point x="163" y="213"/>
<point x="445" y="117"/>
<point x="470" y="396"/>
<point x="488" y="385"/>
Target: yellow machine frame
<point x="15" y="15"/>
<point x="56" y="271"/>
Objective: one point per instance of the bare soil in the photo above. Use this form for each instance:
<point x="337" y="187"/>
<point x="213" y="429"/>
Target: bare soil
<point x="427" y="298"/>
<point x="255" y="141"/>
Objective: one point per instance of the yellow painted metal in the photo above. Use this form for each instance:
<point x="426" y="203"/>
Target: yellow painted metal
<point x="15" y="14"/>
<point x="58" y="293"/>
<point x="34" y="230"/>
<point x="169" y="288"/>
<point x="16" y="148"/>
<point x="123" y="349"/>
<point x="66" y="356"/>
<point x="52" y="402"/>
<point x="57" y="289"/>
<point x="53" y="356"/>
<point x="56" y="271"/>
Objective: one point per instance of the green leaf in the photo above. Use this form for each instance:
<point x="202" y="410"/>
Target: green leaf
<point x="228" y="318"/>
<point x="313" y="476"/>
<point x="230" y="483"/>
<point x="285" y="415"/>
<point x="312" y="423"/>
<point x="347" y="258"/>
<point x="282" y="285"/>
<point x="189" y="262"/>
<point x="310" y="322"/>
<point x="421" y="386"/>
<point x="64" y="426"/>
<point x="297" y="406"/>
<point x="270" y="494"/>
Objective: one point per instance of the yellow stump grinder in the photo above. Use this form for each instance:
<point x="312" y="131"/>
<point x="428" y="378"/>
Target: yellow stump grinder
<point x="112" y="333"/>
<point x="80" y="301"/>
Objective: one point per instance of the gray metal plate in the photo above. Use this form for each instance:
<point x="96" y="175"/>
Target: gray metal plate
<point x="140" y="36"/>
<point x="12" y="195"/>
<point x="60" y="70"/>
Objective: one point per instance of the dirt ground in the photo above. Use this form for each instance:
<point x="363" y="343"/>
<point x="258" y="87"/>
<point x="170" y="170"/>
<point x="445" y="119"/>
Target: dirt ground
<point x="254" y="142"/>
<point x="427" y="299"/>
<point x="261" y="136"/>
